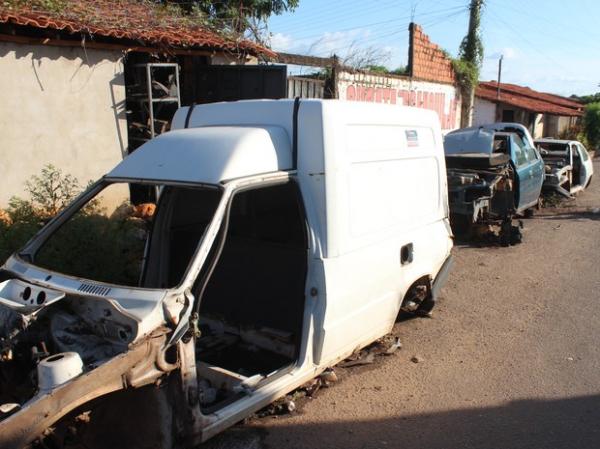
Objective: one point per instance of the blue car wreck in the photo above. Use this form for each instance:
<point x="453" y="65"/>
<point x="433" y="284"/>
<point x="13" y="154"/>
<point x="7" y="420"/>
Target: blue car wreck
<point x="494" y="173"/>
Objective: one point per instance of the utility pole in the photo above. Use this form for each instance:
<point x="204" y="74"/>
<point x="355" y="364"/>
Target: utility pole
<point x="499" y="76"/>
<point x="471" y="51"/>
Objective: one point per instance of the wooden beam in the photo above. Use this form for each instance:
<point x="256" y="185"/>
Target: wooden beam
<point x="25" y="40"/>
<point x="313" y="61"/>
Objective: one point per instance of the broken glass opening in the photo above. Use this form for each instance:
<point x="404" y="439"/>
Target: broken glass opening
<point x="111" y="240"/>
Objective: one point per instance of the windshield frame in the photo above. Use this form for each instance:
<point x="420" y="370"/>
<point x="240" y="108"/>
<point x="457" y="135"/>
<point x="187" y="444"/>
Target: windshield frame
<point x="27" y="253"/>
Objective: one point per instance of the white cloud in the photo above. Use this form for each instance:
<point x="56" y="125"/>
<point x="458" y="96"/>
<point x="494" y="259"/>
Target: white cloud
<point x="281" y="42"/>
<point x="324" y="45"/>
<point x="340" y="43"/>
<point x="578" y="76"/>
<point x="507" y="52"/>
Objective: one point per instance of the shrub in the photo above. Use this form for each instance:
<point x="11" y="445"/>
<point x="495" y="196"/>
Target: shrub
<point x="591" y="123"/>
<point x="90" y="244"/>
<point x="575" y="132"/>
<point x="50" y="192"/>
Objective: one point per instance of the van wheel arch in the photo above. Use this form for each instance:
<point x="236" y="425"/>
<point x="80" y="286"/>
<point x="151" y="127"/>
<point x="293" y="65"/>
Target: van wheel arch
<point x="418" y="299"/>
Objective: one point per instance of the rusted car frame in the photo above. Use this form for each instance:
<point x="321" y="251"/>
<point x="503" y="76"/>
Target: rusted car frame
<point x="567" y="164"/>
<point x="243" y="279"/>
<point x="494" y="174"/>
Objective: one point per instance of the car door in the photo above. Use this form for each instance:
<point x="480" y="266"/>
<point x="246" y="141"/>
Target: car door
<point x="587" y="168"/>
<point x="529" y="170"/>
<point x="536" y="168"/>
<point x="523" y="173"/>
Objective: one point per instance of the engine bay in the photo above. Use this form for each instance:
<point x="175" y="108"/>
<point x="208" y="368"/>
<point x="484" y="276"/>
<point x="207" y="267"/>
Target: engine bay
<point x="37" y="334"/>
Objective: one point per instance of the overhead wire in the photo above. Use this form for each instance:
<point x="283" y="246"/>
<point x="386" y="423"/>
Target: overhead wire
<point x="379" y="36"/>
<point x="527" y="41"/>
<point x="375" y="23"/>
<point x="382" y="32"/>
<point x="349" y="13"/>
<point x="382" y="22"/>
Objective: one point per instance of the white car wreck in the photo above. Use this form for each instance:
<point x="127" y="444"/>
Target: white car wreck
<point x="284" y="236"/>
<point x="567" y="164"/>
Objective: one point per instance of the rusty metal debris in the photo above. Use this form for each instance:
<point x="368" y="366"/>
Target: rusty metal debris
<point x="417" y="359"/>
<point x="385" y="346"/>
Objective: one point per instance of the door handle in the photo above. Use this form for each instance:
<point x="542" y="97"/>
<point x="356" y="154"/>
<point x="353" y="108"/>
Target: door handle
<point x="406" y="254"/>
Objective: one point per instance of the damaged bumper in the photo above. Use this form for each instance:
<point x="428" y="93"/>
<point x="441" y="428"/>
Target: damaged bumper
<point x="141" y="365"/>
<point x="559" y="180"/>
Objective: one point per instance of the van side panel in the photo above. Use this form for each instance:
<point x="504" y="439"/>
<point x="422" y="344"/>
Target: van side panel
<point x="386" y="173"/>
<point x="365" y="289"/>
<point x="373" y="180"/>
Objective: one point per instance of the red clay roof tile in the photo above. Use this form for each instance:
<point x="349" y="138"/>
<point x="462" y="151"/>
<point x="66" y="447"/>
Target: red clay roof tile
<point x="137" y="20"/>
<point x="529" y="99"/>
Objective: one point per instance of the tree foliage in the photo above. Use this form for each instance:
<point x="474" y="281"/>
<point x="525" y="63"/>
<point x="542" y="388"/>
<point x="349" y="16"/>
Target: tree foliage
<point x="235" y="14"/>
<point x="470" y="54"/>
<point x="591" y="124"/>
<point x="91" y="244"/>
<point x="49" y="192"/>
<point x="385" y="71"/>
<point x="362" y="58"/>
<point x="471" y="47"/>
<point x="587" y="99"/>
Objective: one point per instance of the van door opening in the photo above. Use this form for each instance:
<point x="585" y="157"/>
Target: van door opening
<point x="576" y="177"/>
<point x="252" y="308"/>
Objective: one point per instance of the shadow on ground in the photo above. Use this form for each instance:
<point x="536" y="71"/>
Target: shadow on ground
<point x="561" y="423"/>
<point x="573" y="215"/>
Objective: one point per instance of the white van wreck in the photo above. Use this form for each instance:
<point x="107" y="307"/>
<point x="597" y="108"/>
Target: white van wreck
<point x="284" y="236"/>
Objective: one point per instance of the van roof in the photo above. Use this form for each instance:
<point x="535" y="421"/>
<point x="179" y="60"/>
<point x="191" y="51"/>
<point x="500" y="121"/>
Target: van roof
<point x="230" y="140"/>
<point x="280" y="112"/>
<point x="209" y="155"/>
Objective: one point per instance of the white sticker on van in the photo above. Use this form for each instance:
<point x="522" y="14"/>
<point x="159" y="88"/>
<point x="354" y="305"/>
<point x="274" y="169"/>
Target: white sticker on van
<point x="412" y="137"/>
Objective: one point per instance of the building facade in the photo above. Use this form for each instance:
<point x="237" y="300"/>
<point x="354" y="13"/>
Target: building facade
<point x="430" y="82"/>
<point x="69" y="82"/>
<point x="546" y="115"/>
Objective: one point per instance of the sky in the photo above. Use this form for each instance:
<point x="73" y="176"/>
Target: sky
<point x="548" y="45"/>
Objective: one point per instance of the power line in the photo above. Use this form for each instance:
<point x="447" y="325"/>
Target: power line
<point x="528" y="42"/>
<point x="379" y="36"/>
<point x="301" y="25"/>
<point x="448" y="10"/>
<point x="355" y="14"/>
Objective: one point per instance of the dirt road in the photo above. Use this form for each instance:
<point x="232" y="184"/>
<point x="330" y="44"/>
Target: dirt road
<point x="511" y="357"/>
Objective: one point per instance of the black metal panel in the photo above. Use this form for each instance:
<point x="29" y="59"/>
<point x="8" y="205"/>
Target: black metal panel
<point x="214" y="83"/>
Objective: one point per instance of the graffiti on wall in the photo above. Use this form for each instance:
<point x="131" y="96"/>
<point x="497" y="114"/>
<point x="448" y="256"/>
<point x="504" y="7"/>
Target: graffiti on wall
<point x="447" y="108"/>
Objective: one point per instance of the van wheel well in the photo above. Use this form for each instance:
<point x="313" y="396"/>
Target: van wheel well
<point x="418" y="298"/>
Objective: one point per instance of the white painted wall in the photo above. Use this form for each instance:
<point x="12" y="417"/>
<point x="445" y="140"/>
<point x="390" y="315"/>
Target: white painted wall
<point x="439" y="97"/>
<point x="231" y="59"/>
<point x="484" y="112"/>
<point x="59" y="106"/>
<point x="538" y="126"/>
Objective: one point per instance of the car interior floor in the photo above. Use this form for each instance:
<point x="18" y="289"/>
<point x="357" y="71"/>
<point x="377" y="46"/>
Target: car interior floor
<point x="252" y="308"/>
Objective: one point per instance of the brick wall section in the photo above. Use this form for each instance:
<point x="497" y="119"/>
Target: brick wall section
<point x="426" y="61"/>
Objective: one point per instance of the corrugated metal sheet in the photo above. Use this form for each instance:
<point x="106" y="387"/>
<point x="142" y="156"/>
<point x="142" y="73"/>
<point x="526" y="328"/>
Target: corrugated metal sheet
<point x="305" y="87"/>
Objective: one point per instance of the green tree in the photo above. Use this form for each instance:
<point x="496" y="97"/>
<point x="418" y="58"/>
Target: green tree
<point x="236" y="14"/>
<point x="470" y="57"/>
<point x="591" y="124"/>
<point x="587" y="99"/>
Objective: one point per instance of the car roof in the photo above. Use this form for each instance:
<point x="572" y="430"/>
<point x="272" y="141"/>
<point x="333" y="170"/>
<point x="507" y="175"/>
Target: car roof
<point x="551" y="140"/>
